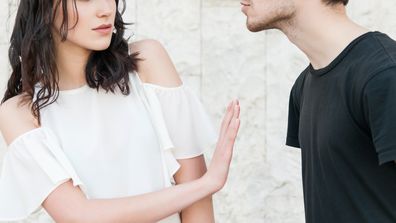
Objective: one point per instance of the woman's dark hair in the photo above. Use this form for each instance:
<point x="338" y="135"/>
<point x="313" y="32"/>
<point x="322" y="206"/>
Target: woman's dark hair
<point x="32" y="55"/>
<point x="335" y="2"/>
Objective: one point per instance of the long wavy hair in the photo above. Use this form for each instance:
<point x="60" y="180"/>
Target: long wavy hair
<point x="32" y="55"/>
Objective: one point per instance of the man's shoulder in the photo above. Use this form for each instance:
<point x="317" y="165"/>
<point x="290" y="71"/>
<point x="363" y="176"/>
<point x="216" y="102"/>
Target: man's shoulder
<point x="372" y="55"/>
<point x="379" y="53"/>
<point x="385" y="43"/>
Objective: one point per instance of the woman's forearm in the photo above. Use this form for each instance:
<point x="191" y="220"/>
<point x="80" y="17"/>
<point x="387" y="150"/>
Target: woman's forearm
<point x="201" y="211"/>
<point x="150" y="207"/>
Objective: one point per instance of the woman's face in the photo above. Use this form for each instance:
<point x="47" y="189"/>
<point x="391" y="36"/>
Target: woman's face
<point x="91" y="23"/>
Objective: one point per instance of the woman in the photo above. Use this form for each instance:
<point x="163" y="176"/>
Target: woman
<point x="111" y="134"/>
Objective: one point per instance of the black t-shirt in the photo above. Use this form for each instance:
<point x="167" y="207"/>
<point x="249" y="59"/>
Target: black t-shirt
<point x="344" y="119"/>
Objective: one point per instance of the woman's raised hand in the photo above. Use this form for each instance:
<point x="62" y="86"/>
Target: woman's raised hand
<point x="217" y="173"/>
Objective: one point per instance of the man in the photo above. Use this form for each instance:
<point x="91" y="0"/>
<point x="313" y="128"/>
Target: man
<point x="342" y="110"/>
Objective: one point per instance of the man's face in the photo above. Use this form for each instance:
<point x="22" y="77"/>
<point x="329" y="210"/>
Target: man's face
<point x="267" y="14"/>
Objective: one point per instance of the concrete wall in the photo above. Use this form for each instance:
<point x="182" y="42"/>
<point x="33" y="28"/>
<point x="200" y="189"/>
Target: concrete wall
<point x="221" y="60"/>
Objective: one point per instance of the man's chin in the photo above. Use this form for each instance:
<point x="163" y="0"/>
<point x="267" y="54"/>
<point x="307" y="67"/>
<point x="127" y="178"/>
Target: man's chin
<point x="254" y="28"/>
<point x="259" y="26"/>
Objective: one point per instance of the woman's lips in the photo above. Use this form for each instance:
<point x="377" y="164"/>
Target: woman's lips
<point x="104" y="29"/>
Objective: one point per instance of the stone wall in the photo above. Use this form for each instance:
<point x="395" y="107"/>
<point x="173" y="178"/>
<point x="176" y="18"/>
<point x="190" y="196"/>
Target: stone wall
<point x="221" y="60"/>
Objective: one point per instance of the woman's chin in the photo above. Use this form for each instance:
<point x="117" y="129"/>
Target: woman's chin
<point x="100" y="47"/>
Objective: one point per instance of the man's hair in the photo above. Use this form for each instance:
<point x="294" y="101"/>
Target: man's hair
<point x="334" y="2"/>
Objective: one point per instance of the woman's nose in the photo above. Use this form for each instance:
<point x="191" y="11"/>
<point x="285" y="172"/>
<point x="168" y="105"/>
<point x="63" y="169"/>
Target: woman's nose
<point x="105" y="7"/>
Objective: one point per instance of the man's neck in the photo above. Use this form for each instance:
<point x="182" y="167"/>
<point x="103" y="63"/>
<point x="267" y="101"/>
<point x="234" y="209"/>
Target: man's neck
<point x="322" y="33"/>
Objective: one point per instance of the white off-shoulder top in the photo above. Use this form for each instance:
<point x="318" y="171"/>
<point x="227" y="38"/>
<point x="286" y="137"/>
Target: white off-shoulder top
<point x="109" y="145"/>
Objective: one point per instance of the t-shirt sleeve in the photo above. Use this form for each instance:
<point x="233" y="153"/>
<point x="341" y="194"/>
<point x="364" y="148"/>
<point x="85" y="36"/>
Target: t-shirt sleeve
<point x="33" y="166"/>
<point x="379" y="102"/>
<point x="293" y="120"/>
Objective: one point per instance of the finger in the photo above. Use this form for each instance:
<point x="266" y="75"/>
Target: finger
<point x="228" y="110"/>
<point x="237" y="110"/>
<point x="231" y="137"/>
<point x="228" y="148"/>
<point x="235" y="115"/>
<point x="231" y="132"/>
<point x="226" y="120"/>
<point x="234" y="126"/>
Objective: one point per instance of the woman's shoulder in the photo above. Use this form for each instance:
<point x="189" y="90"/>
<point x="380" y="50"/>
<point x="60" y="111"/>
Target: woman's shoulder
<point x="16" y="118"/>
<point x="155" y="65"/>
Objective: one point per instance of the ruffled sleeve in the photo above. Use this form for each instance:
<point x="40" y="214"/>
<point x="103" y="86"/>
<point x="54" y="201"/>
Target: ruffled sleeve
<point x="33" y="167"/>
<point x="189" y="127"/>
<point x="184" y="130"/>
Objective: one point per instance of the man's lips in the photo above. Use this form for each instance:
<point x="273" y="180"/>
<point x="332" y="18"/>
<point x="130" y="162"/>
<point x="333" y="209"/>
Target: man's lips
<point x="245" y="6"/>
<point x="243" y="3"/>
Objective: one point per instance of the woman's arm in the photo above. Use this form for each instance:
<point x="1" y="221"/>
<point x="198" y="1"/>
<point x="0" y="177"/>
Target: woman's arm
<point x="202" y="210"/>
<point x="68" y="203"/>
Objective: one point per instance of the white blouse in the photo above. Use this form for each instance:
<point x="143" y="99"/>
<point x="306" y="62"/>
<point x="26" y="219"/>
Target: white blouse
<point x="109" y="144"/>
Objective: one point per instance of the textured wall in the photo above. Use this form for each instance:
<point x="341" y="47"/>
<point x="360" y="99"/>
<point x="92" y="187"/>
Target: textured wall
<point x="221" y="60"/>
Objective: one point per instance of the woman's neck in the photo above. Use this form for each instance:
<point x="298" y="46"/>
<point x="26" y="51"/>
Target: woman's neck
<point x="71" y="61"/>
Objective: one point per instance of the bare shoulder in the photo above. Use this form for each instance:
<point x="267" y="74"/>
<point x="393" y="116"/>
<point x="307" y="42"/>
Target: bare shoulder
<point x="15" y="118"/>
<point x="155" y="66"/>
